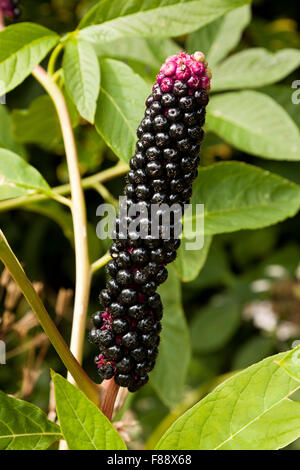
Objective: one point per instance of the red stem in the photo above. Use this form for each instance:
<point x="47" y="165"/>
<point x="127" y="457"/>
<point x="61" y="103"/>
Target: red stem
<point x="108" y="397"/>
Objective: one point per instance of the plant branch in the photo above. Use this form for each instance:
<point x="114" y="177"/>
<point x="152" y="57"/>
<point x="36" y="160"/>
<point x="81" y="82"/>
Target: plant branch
<point x="61" y="199"/>
<point x="100" y="262"/>
<point x="79" y="375"/>
<point x="106" y="195"/>
<point x="53" y="59"/>
<point x="83" y="270"/>
<point x="64" y="189"/>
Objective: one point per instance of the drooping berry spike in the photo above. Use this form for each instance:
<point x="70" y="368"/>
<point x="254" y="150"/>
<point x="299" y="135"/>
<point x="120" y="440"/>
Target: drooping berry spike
<point x="10" y="8"/>
<point x="162" y="171"/>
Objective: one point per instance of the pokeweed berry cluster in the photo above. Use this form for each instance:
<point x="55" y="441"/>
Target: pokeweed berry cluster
<point x="162" y="171"/>
<point x="10" y="8"/>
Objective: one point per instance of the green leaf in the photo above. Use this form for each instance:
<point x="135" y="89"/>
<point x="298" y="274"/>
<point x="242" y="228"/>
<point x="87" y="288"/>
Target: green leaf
<point x="24" y="426"/>
<point x="7" y="140"/>
<point x="83" y="425"/>
<point x="240" y="196"/>
<point x="214" y="325"/>
<point x="151" y="52"/>
<point x="291" y="363"/>
<point x="255" y="67"/>
<point x="158" y="18"/>
<point x="189" y="263"/>
<point x="283" y="95"/>
<point x="82" y="76"/>
<point x="23" y="46"/>
<point x="249" y="411"/>
<point x="28" y="127"/>
<point x="18" y="178"/>
<point x="218" y="38"/>
<point x="120" y="107"/>
<point x="169" y="375"/>
<point x="255" y="123"/>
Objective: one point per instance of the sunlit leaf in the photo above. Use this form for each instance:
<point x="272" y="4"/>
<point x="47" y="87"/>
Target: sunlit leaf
<point x="24" y="426"/>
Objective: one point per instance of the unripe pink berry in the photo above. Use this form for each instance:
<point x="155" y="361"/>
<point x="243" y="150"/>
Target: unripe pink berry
<point x="205" y="82"/>
<point x="198" y="68"/>
<point x="169" y="68"/>
<point x="166" y="84"/>
<point x="194" y="82"/>
<point x="183" y="72"/>
<point x="170" y="58"/>
<point x="160" y="77"/>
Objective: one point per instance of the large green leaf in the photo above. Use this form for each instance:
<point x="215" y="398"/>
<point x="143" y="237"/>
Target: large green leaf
<point x="214" y="325"/>
<point x="23" y="46"/>
<point x="283" y="95"/>
<point x="291" y="363"/>
<point x="83" y="425"/>
<point x="28" y="127"/>
<point x="7" y="140"/>
<point x="253" y="68"/>
<point x="151" y="52"/>
<point x="18" y="178"/>
<point x="120" y="107"/>
<point x="255" y="123"/>
<point x="189" y="263"/>
<point x="82" y="76"/>
<point x="240" y="196"/>
<point x="249" y="411"/>
<point x="24" y="426"/>
<point x="174" y="350"/>
<point x="218" y="38"/>
<point x="158" y="18"/>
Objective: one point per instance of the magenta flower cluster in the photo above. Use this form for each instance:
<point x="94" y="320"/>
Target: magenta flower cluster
<point x="191" y="69"/>
<point x="10" y="8"/>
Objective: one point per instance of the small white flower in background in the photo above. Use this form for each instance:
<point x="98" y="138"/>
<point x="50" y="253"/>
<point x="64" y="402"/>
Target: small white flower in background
<point x="297" y="272"/>
<point x="262" y="314"/>
<point x="261" y="285"/>
<point x="277" y="271"/>
<point x="287" y="330"/>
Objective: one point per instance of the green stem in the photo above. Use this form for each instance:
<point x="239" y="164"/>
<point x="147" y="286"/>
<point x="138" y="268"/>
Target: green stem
<point x="106" y="195"/>
<point x="83" y="268"/>
<point x="79" y="375"/>
<point x="53" y="59"/>
<point x="64" y="189"/>
<point x="100" y="262"/>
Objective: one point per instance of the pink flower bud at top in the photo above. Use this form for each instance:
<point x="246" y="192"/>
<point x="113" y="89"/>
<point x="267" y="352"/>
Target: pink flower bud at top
<point x="199" y="56"/>
<point x="166" y="84"/>
<point x="169" y="68"/>
<point x="198" y="68"/>
<point x="160" y="77"/>
<point x="183" y="72"/>
<point x="205" y="82"/>
<point x="170" y="58"/>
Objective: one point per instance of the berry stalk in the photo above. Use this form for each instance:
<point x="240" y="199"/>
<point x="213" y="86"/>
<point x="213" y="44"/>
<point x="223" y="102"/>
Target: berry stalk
<point x="161" y="175"/>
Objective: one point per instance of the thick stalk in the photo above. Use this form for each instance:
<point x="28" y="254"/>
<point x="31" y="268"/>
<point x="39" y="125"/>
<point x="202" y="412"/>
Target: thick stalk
<point x="83" y="269"/>
<point x="108" y="397"/>
<point x="14" y="267"/>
